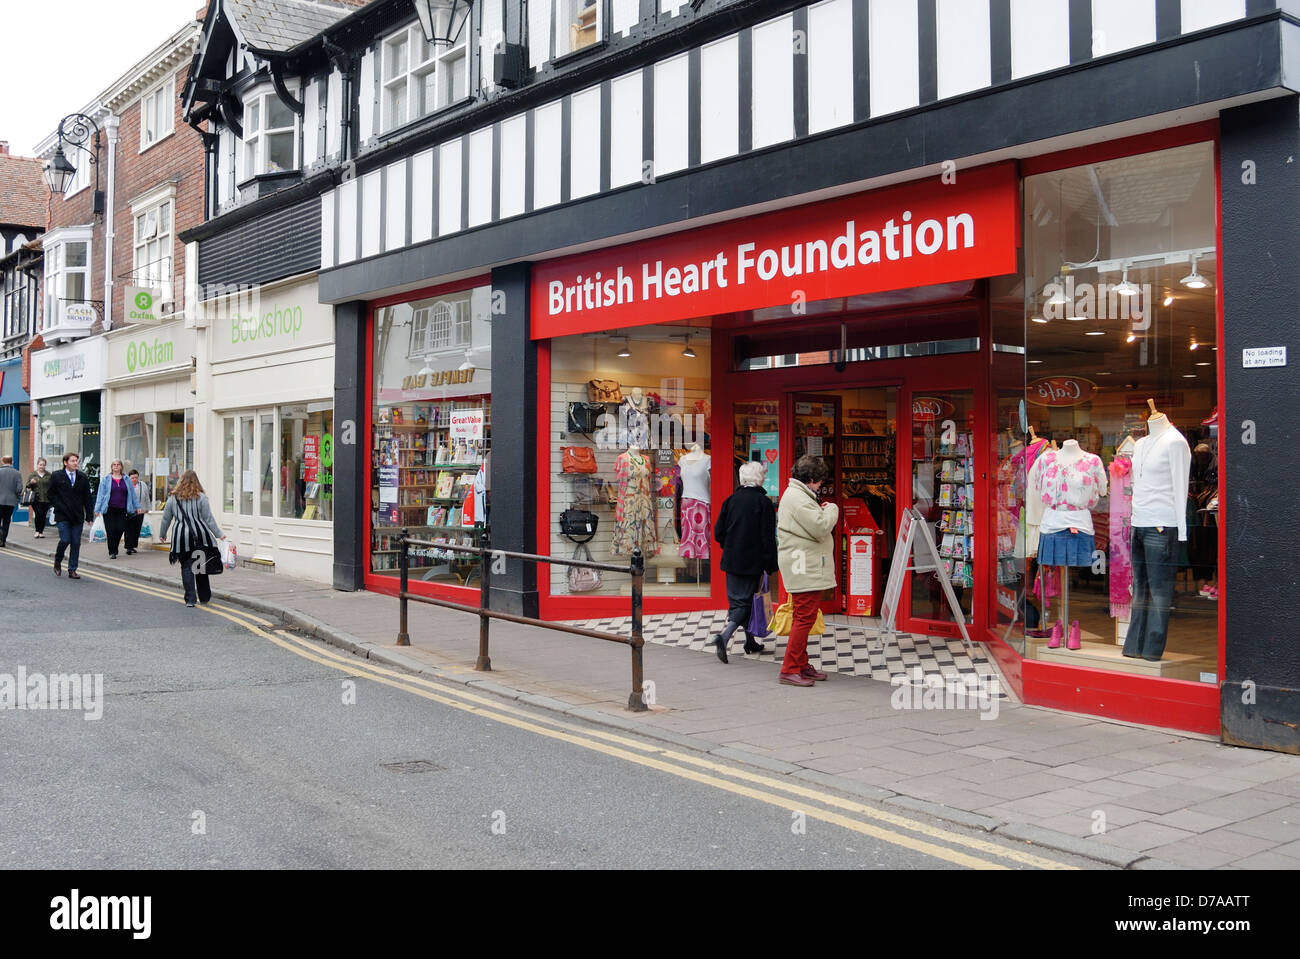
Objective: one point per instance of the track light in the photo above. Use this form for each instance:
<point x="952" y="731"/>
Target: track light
<point x="1126" y="288"/>
<point x="1194" y="280"/>
<point x="688" y="352"/>
<point x="624" y="352"/>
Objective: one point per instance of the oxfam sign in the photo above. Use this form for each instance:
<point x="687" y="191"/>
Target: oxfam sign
<point x="144" y="353"/>
<point x="278" y="326"/>
<point x="142" y="305"/>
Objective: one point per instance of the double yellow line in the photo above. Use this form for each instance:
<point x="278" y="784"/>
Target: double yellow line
<point x="947" y="845"/>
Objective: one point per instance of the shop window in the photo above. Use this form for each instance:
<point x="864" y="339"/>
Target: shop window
<point x="1120" y="309"/>
<point x="307" y="461"/>
<point x="431" y="434"/>
<point x="160" y="446"/>
<point x="228" y="465"/>
<point x="629" y="443"/>
<point x="420" y="77"/>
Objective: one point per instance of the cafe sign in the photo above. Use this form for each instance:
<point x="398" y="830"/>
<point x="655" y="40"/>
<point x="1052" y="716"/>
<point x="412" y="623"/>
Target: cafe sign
<point x="1060" y="391"/>
<point x="930" y="408"/>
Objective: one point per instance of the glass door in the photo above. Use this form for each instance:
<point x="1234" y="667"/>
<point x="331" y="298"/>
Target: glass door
<point x="815" y="432"/>
<point x="945" y="490"/>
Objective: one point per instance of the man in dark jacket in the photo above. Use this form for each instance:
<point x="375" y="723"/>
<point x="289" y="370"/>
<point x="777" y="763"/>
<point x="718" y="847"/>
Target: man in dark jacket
<point x="746" y="530"/>
<point x="70" y="497"/>
<point x="11" y="491"/>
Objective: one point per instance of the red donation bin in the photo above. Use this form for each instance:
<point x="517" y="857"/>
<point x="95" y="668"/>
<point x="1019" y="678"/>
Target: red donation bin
<point x="862" y="559"/>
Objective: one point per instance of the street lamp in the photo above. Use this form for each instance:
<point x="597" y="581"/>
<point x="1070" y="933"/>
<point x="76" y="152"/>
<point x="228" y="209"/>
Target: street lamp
<point x="75" y="129"/>
<point x="442" y="20"/>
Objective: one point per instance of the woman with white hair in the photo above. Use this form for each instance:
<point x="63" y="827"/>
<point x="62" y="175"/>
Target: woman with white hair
<point x="746" y="530"/>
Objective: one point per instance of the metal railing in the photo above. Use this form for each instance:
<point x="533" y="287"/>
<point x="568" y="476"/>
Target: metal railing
<point x="486" y="556"/>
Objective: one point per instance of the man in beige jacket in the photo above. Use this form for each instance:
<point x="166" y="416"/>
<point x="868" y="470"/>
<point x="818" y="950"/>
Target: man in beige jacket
<point x="805" y="537"/>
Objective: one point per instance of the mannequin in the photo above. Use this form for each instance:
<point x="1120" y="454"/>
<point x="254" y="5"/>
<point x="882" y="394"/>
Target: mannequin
<point x="1027" y="532"/>
<point x="1119" y="557"/>
<point x="695" y="468"/>
<point x="634" y="519"/>
<point x="1162" y="463"/>
<point x="1069" y="482"/>
<point x="635" y="415"/>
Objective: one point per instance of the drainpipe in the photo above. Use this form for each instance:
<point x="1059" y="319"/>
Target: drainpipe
<point x="110" y="126"/>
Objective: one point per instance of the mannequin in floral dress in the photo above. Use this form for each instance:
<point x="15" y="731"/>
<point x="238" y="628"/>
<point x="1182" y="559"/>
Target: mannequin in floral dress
<point x="634" y="517"/>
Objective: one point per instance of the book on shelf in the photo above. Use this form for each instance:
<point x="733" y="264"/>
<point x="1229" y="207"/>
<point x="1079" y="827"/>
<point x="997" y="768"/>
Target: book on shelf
<point x="446" y="481"/>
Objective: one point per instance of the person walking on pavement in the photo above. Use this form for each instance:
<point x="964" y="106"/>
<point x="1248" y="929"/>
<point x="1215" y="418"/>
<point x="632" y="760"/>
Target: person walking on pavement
<point x="11" y="491"/>
<point x="116" y="501"/>
<point x="134" y="521"/>
<point x="39" y="484"/>
<point x="805" y="530"/>
<point x="746" y="530"/>
<point x="73" y="505"/>
<point x="196" y="530"/>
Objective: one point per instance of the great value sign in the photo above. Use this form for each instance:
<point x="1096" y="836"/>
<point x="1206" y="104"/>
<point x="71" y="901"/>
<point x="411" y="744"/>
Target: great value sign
<point x="911" y="235"/>
<point x="1060" y="391"/>
<point x="467" y="424"/>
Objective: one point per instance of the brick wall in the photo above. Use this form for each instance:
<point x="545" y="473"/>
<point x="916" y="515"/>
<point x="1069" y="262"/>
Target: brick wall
<point x="177" y="157"/>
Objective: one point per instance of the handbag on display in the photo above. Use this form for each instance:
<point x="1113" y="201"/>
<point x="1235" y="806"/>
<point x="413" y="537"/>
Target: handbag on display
<point x="584" y="417"/>
<point x="578" y="459"/>
<point x="582" y="580"/>
<point x="604" y="391"/>
<point x="669" y="555"/>
<point x="579" y="525"/>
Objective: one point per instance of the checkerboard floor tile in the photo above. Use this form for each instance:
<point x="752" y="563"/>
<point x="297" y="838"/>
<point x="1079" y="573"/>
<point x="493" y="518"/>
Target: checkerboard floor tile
<point x="850" y="645"/>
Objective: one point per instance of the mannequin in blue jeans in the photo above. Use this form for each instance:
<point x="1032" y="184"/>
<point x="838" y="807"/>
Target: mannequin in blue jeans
<point x="1155" y="564"/>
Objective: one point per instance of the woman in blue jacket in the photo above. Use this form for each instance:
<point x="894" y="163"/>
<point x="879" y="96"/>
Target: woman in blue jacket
<point x="115" y="501"/>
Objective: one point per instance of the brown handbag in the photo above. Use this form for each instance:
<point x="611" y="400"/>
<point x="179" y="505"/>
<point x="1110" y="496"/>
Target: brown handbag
<point x="604" y="391"/>
<point x="578" y="459"/>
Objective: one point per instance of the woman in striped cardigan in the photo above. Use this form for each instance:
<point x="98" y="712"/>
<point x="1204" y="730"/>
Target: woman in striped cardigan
<point x="196" y="529"/>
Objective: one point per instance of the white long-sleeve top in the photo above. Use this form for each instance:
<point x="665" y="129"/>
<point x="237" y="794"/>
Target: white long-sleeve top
<point x="1061" y="495"/>
<point x="1161" y="466"/>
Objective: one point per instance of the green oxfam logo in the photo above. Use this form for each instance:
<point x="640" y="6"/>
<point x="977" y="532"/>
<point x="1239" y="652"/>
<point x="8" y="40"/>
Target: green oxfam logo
<point x="144" y="301"/>
<point x="143" y="354"/>
<point x="327" y="451"/>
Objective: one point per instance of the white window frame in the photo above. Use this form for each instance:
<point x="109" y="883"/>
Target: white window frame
<point x="57" y="271"/>
<point x="81" y="178"/>
<point x="406" y="79"/>
<point x="252" y="148"/>
<point x="166" y="93"/>
<point x="149" y="272"/>
<point x="459" y="327"/>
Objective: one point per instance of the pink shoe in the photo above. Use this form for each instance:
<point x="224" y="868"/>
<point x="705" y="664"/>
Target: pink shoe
<point x="1212" y="593"/>
<point x="1076" y="636"/>
<point x="1058" y="631"/>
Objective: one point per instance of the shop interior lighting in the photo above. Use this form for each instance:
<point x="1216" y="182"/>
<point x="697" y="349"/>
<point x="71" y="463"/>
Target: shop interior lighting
<point x="1057" y="297"/>
<point x="1126" y="288"/>
<point x="688" y="352"/>
<point x="1194" y="280"/>
<point x="1169" y="300"/>
<point x="1205" y="363"/>
<point x="1130" y="338"/>
<point x="1037" y="319"/>
<point x="623" y="352"/>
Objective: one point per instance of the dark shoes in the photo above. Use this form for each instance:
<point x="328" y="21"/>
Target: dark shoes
<point x="815" y="674"/>
<point x="752" y="647"/>
<point x="130" y="552"/>
<point x="720" y="647"/>
<point x="796" y="679"/>
<point x="72" y="575"/>
<point x="190" y="605"/>
<point x="58" y="569"/>
<point x="112" y="556"/>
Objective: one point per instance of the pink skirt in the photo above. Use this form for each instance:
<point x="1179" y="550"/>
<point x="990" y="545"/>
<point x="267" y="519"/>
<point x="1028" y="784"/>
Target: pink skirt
<point x="695" y="529"/>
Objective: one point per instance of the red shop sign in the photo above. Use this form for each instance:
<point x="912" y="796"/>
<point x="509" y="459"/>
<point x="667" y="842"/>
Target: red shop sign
<point x="914" y="234"/>
<point x="1060" y="391"/>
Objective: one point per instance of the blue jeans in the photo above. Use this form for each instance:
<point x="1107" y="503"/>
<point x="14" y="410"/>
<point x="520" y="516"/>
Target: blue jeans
<point x="1155" y="563"/>
<point x="70" y="540"/>
<point x="197" y="586"/>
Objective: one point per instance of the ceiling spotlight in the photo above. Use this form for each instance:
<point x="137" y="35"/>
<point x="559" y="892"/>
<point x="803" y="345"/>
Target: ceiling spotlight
<point x="1169" y="300"/>
<point x="1193" y="344"/>
<point x="1194" y="280"/>
<point x="1189" y="376"/>
<point x="1037" y="319"/>
<point x="688" y="352"/>
<point x="425" y="370"/>
<point x="1032" y="362"/>
<point x="1205" y="363"/>
<point x="1130" y="338"/>
<point x="466" y="364"/>
<point x="1094" y="333"/>
<point x="624" y="353"/>
<point x="1126" y="288"/>
<point x="1055" y="292"/>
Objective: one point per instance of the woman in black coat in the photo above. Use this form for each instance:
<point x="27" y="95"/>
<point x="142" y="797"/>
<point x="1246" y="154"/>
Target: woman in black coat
<point x="746" y="530"/>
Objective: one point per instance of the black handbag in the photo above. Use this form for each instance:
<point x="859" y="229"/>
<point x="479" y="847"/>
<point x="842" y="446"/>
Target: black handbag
<point x="579" y="525"/>
<point x="28" y="497"/>
<point x="584" y="417"/>
<point x="209" y="564"/>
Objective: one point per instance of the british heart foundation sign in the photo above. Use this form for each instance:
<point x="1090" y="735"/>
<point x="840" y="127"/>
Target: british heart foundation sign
<point x="1060" y="391"/>
<point x="914" y="234"/>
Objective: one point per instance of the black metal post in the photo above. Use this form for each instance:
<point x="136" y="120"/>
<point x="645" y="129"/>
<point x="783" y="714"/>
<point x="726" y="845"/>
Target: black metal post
<point x="484" y="661"/>
<point x="403" y="564"/>
<point x="636" y="702"/>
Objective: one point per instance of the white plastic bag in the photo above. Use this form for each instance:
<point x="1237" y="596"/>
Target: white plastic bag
<point x="97" y="532"/>
<point x="229" y="556"/>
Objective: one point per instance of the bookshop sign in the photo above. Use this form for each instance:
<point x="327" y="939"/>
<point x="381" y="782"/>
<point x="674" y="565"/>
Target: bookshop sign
<point x="268" y="319"/>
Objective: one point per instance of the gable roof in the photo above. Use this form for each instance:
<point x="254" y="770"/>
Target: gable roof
<point x="275" y="26"/>
<point x="24" y="197"/>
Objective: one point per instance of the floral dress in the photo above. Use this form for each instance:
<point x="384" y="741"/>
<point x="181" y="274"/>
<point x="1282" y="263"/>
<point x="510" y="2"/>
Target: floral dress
<point x="634" y="515"/>
<point x="1120" y="559"/>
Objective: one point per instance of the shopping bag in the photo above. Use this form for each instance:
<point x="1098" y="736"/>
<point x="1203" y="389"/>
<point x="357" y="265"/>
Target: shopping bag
<point x="783" y="618"/>
<point x="145" y="529"/>
<point x="229" y="555"/>
<point x="762" y="612"/>
<point x="206" y="560"/>
<point x="97" y="531"/>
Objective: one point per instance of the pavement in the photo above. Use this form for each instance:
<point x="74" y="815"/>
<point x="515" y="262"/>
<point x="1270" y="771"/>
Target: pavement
<point x="1126" y="795"/>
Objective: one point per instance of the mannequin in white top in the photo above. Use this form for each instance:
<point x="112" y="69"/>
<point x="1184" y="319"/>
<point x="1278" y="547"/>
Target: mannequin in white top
<point x="695" y="466"/>
<point x="1162" y="464"/>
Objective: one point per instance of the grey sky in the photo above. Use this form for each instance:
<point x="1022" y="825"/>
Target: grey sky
<point x="58" y="55"/>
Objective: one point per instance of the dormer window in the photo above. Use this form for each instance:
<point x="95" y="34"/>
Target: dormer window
<point x="419" y="77"/>
<point x="270" y="136"/>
